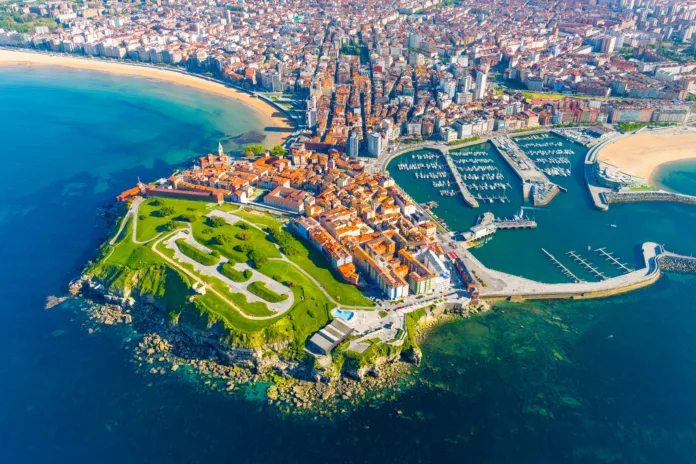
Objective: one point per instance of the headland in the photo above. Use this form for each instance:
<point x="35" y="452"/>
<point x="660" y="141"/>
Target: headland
<point x="640" y="154"/>
<point x="262" y="264"/>
<point x="277" y="125"/>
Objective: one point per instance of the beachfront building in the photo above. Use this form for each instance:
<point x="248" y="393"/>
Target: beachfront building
<point x="330" y="336"/>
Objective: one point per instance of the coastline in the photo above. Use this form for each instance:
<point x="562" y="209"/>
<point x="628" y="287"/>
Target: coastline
<point x="643" y="154"/>
<point x="281" y="125"/>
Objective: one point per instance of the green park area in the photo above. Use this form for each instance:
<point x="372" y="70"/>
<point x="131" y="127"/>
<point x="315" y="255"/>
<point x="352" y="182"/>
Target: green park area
<point x="147" y="269"/>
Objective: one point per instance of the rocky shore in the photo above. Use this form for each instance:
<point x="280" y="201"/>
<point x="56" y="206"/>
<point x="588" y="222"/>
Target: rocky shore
<point x="312" y="387"/>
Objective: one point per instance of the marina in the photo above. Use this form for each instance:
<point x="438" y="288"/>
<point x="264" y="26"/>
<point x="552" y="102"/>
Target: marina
<point x="536" y="186"/>
<point x="474" y="175"/>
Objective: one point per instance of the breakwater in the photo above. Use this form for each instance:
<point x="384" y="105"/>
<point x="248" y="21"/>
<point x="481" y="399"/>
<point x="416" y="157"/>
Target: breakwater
<point x="677" y="263"/>
<point x="500" y="285"/>
<point x="659" y="195"/>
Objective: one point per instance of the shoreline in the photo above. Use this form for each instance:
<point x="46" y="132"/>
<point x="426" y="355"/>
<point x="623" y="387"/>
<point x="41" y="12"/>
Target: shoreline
<point x="645" y="153"/>
<point x="266" y="112"/>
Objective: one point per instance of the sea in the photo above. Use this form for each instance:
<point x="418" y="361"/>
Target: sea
<point x="598" y="381"/>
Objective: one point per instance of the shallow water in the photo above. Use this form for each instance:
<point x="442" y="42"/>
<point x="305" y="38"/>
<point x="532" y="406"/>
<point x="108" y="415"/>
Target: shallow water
<point x="679" y="176"/>
<point x="527" y="383"/>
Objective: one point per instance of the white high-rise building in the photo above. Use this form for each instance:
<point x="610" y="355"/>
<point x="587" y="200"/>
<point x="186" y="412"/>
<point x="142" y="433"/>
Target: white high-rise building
<point x="352" y="146"/>
<point x="608" y="44"/>
<point x="414" y="41"/>
<point x="466" y="83"/>
<point x="481" y="78"/>
<point x="449" y="86"/>
<point x="375" y="144"/>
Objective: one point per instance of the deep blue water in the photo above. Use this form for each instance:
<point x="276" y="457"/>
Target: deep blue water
<point x="590" y="382"/>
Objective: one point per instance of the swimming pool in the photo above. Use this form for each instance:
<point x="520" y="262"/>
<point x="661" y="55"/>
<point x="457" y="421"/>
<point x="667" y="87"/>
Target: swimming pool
<point x="345" y="315"/>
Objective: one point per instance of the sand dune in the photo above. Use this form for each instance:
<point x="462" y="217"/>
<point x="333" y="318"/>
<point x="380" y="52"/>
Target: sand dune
<point x="269" y="114"/>
<point x="641" y="154"/>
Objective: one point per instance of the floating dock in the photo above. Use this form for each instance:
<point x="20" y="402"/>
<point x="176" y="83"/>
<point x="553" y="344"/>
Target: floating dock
<point x="563" y="269"/>
<point x="610" y="257"/>
<point x="587" y="265"/>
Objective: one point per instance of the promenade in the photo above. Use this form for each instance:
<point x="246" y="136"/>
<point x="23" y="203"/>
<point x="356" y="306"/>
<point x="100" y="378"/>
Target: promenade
<point x="499" y="285"/>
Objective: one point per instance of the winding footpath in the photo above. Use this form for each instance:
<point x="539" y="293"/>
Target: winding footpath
<point x="230" y="218"/>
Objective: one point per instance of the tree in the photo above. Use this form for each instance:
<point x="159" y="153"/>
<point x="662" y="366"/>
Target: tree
<point x="256" y="149"/>
<point x="258" y="257"/>
<point x="185" y="218"/>
<point x="243" y="247"/>
<point x="164" y="211"/>
<point x="278" y="150"/>
<point x="220" y="239"/>
<point x="216" y="222"/>
<point x="243" y="236"/>
<point x="167" y="227"/>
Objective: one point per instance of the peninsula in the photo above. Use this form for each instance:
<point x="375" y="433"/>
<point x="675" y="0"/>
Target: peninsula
<point x="300" y="265"/>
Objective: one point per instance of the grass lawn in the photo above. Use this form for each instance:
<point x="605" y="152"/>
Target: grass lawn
<point x="152" y="218"/>
<point x="558" y="96"/>
<point x="259" y="289"/>
<point x="197" y="254"/>
<point x="315" y="264"/>
<point x="229" y="207"/>
<point x="260" y="219"/>
<point x="231" y="245"/>
<point x="311" y="309"/>
<point x="127" y="265"/>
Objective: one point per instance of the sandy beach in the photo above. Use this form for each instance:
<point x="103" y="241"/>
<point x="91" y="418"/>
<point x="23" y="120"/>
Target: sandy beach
<point x="271" y="116"/>
<point x="641" y="154"/>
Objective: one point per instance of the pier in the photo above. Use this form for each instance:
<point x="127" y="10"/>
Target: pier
<point x="563" y="269"/>
<point x="610" y="257"/>
<point x="468" y="197"/>
<point x="535" y="185"/>
<point x="501" y="285"/>
<point x="587" y="265"/>
<point x="521" y="223"/>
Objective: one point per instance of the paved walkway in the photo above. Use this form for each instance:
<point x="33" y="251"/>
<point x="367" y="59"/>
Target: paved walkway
<point x="235" y="287"/>
<point x="231" y="218"/>
<point x="132" y="211"/>
<point x="502" y="285"/>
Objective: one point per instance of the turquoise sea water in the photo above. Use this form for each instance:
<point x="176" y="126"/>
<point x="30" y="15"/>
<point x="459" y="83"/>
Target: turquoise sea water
<point x="679" y="176"/>
<point x="589" y="382"/>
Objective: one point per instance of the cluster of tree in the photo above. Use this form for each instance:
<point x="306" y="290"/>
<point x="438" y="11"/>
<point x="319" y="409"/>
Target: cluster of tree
<point x="164" y="211"/>
<point x="24" y="23"/>
<point x="258" y="258"/>
<point x="185" y="218"/>
<point x="167" y="227"/>
<point x="252" y="151"/>
<point x="468" y="139"/>
<point x="350" y="50"/>
<point x="285" y="240"/>
<point x="216" y="222"/>
<point x="221" y="239"/>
